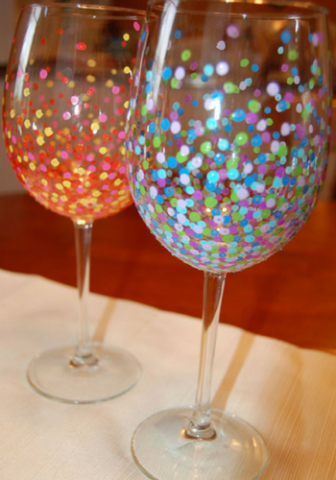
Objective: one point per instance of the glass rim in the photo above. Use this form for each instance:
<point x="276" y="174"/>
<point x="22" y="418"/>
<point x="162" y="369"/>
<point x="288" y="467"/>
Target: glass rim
<point x="300" y="9"/>
<point x="90" y="10"/>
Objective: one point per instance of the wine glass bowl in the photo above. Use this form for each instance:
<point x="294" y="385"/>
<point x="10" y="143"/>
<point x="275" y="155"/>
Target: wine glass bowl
<point x="65" y="102"/>
<point x="227" y="149"/>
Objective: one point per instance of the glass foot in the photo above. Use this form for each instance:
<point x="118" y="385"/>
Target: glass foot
<point x="163" y="451"/>
<point x="55" y="374"/>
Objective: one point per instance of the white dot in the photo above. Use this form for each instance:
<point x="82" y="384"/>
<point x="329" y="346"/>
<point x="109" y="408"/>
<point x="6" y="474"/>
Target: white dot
<point x="273" y="89"/>
<point x="221" y="45"/>
<point x="222" y="68"/>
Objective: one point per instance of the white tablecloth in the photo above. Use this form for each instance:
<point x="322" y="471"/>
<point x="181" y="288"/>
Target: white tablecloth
<point x="287" y="393"/>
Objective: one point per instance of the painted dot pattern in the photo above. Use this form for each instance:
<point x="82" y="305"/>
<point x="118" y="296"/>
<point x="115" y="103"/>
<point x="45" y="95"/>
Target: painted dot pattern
<point x="64" y="120"/>
<point x="228" y="155"/>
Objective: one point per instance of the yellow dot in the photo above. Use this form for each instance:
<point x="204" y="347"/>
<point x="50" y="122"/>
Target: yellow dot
<point x="55" y="162"/>
<point x="126" y="36"/>
<point x="12" y="113"/>
<point x="49" y="112"/>
<point x="85" y="97"/>
<point x="122" y="150"/>
<point x="54" y="199"/>
<point x="103" y="150"/>
<point x="127" y="70"/>
<point x="25" y="158"/>
<point x="39" y="114"/>
<point x="117" y="182"/>
<point x="96" y="193"/>
<point x="67" y="184"/>
<point x="26" y="92"/>
<point x="91" y="78"/>
<point x="40" y="140"/>
<point x="64" y="198"/>
<point x="114" y="71"/>
<point x="91" y="62"/>
<point x="95" y="126"/>
<point x="44" y="182"/>
<point x="66" y="131"/>
<point x="45" y="194"/>
<point x="32" y="166"/>
<point x="19" y="159"/>
<point x="50" y="83"/>
<point x="27" y="123"/>
<point x="71" y="84"/>
<point x="48" y="131"/>
<point x="81" y="171"/>
<point x="59" y="186"/>
<point x="10" y="148"/>
<point x="87" y="184"/>
<point x="103" y="176"/>
<point x="126" y="104"/>
<point x="109" y="83"/>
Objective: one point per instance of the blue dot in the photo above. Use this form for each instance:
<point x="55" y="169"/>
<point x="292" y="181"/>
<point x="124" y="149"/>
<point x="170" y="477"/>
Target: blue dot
<point x="213" y="177"/>
<point x="172" y="162"/>
<point x="223" y="144"/>
<point x="254" y="67"/>
<point x="286" y="36"/>
<point x="233" y="174"/>
<point x="167" y="73"/>
<point x="267" y="110"/>
<point x="177" y="34"/>
<point x="165" y="124"/>
<point x="211" y="123"/>
<point x="219" y="158"/>
<point x="208" y="69"/>
<point x="152" y="127"/>
<point x="194" y="103"/>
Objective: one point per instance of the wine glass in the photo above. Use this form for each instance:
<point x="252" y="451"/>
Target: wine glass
<point x="227" y="147"/>
<point x="65" y="103"/>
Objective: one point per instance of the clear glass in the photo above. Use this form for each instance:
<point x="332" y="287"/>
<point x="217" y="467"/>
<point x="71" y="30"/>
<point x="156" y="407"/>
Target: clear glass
<point x="65" y="102"/>
<point x="227" y="147"/>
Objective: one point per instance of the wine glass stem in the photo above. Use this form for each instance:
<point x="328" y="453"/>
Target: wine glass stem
<point x="200" y="425"/>
<point x="83" y="353"/>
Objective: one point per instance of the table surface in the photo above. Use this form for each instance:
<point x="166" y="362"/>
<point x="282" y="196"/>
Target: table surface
<point x="291" y="296"/>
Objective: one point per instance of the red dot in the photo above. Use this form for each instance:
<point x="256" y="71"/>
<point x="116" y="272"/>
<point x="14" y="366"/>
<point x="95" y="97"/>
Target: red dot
<point x="81" y="46"/>
<point x="43" y="40"/>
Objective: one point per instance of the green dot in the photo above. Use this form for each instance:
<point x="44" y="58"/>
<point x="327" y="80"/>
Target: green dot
<point x="234" y="197"/>
<point x="230" y="87"/>
<point x="207" y="231"/>
<point x="210" y="202"/>
<point x="193" y="75"/>
<point x="181" y="158"/>
<point x="237" y="217"/>
<point x="186" y="54"/>
<point x="228" y="238"/>
<point x="145" y="165"/>
<point x="293" y="55"/>
<point x="144" y="110"/>
<point x="195" y="217"/>
<point x="156" y="142"/>
<point x="206" y="147"/>
<point x="254" y="106"/>
<point x="174" y="83"/>
<point x="269" y="121"/>
<point x="241" y="138"/>
<point x="290" y="81"/>
<point x="244" y="62"/>
<point x="158" y="208"/>
<point x="232" y="163"/>
<point x="282" y="152"/>
<point x="173" y="202"/>
<point x="266" y="213"/>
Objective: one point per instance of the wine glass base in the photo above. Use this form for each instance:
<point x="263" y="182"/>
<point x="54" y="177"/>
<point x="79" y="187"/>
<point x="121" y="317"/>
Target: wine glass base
<point x="52" y="374"/>
<point x="163" y="452"/>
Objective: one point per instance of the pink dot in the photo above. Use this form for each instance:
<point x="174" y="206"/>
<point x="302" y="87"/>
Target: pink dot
<point x="66" y="115"/>
<point x="43" y="74"/>
<point x="74" y="100"/>
<point x="136" y="26"/>
<point x="67" y="175"/>
<point x="106" y="166"/>
<point x="121" y="135"/>
<point x="115" y="89"/>
<point x="64" y="155"/>
<point x="102" y="117"/>
<point x="90" y="157"/>
<point x="92" y="168"/>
